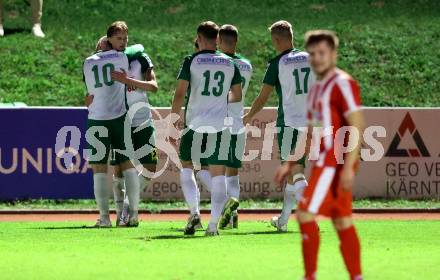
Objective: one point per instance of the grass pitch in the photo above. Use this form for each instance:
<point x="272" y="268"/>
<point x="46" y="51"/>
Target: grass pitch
<point x="157" y="250"/>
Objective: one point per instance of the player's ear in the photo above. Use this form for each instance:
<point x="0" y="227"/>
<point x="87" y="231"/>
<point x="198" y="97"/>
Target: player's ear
<point x="334" y="55"/>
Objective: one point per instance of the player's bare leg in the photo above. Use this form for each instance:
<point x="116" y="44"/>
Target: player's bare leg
<point x="293" y="191"/>
<point x="310" y="242"/>
<point x="191" y="194"/>
<point x="349" y="246"/>
<point x="218" y="197"/>
<point x="101" y="194"/>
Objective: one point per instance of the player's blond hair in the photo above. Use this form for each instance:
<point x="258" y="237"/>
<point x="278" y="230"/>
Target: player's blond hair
<point x="116" y="27"/>
<point x="316" y="36"/>
<point x="282" y="29"/>
<point x="102" y="44"/>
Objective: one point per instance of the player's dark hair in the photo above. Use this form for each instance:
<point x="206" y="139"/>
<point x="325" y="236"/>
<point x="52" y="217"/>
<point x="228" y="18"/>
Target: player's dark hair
<point x="116" y="27"/>
<point x="208" y="30"/>
<point x="228" y="31"/>
<point x="317" y="36"/>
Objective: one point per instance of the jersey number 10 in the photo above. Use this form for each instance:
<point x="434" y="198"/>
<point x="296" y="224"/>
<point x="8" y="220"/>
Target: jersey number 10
<point x="106" y="69"/>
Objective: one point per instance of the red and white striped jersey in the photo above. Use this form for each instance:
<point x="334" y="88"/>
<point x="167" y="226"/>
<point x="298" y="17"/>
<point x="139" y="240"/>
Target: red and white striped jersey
<point x="329" y="102"/>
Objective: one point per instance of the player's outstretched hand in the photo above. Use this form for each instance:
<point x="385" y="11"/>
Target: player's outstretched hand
<point x="88" y="100"/>
<point x="119" y="76"/>
<point x="347" y="178"/>
<point x="281" y="173"/>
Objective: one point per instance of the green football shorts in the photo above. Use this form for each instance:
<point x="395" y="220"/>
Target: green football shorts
<point x="203" y="148"/>
<point x="287" y="141"/>
<point x="114" y="138"/>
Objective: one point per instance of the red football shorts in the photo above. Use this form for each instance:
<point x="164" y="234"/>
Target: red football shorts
<point x="324" y="196"/>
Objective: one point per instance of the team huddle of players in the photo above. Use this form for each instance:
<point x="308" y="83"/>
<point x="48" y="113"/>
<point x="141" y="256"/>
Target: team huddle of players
<point x="211" y="85"/>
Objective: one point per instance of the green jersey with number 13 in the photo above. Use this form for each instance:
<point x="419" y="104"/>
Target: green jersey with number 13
<point x="211" y="75"/>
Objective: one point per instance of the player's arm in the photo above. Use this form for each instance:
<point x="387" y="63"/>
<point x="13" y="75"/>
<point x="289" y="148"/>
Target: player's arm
<point x="356" y="120"/>
<point x="259" y="102"/>
<point x="183" y="81"/>
<point x="88" y="99"/>
<point x="269" y="81"/>
<point x="236" y="92"/>
<point x="176" y="107"/>
<point x="150" y="83"/>
<point x="179" y="96"/>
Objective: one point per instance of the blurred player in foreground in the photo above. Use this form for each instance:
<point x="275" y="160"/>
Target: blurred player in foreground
<point x="289" y="74"/>
<point x="334" y="102"/>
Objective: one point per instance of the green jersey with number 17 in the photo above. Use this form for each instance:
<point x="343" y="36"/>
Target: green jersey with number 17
<point x="108" y="95"/>
<point x="292" y="77"/>
<point x="211" y="75"/>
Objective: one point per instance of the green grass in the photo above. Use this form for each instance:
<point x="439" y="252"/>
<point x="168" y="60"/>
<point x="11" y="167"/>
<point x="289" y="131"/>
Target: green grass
<point x="157" y="206"/>
<point x="400" y="250"/>
<point x="391" y="47"/>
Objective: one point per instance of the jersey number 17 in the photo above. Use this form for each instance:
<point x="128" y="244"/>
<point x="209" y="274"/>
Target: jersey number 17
<point x="305" y="89"/>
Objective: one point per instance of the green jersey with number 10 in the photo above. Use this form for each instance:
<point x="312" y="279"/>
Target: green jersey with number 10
<point x="211" y="75"/>
<point x="109" y="96"/>
<point x="292" y="77"/>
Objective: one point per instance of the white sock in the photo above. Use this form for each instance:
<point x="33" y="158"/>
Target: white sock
<point x="189" y="189"/>
<point x="118" y="194"/>
<point x="198" y="197"/>
<point x="101" y="193"/>
<point x="292" y="194"/>
<point x="233" y="186"/>
<point x="218" y="198"/>
<point x="299" y="189"/>
<point x="132" y="190"/>
<point x="288" y="203"/>
<point x="205" y="178"/>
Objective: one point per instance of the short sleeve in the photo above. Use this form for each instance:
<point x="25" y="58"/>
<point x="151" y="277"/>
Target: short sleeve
<point x="134" y="51"/>
<point x="145" y="62"/>
<point x="185" y="70"/>
<point x="271" y="75"/>
<point x="350" y="96"/>
<point x="237" y="77"/>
